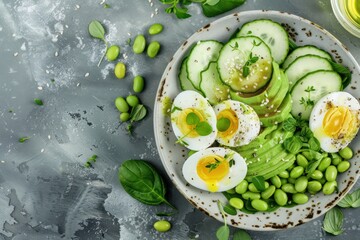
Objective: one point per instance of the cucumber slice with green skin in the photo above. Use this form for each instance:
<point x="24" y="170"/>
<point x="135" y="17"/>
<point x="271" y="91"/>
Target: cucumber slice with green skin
<point x="185" y="83"/>
<point x="199" y="58"/>
<point x="308" y="90"/>
<point x="305" y="50"/>
<point x="235" y="55"/>
<point x="272" y="33"/>
<point x="304" y="65"/>
<point x="213" y="88"/>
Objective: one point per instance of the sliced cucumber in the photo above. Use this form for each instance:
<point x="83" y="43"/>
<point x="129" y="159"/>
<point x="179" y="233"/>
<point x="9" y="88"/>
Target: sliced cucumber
<point x="272" y="33"/>
<point x="308" y="90"/>
<point x="302" y="51"/>
<point x="304" y="65"/>
<point x="235" y="55"/>
<point x="185" y="83"/>
<point x="213" y="88"/>
<point x="200" y="56"/>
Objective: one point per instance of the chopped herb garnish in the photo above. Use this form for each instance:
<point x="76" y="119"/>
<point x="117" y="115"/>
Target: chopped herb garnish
<point x="213" y="165"/>
<point x="308" y="102"/>
<point x="38" y="101"/>
<point x="23" y="139"/>
<point x="251" y="60"/>
<point x="90" y="161"/>
<point x="107" y="5"/>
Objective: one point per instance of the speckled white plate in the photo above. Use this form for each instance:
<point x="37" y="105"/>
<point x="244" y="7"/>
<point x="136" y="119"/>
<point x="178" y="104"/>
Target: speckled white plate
<point x="173" y="155"/>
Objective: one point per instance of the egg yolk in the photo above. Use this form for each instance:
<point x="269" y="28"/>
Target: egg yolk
<point x="211" y="169"/>
<point x="185" y="128"/>
<point x="234" y="123"/>
<point x="339" y="122"/>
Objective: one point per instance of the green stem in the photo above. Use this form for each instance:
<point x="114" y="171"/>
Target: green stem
<point x="106" y="48"/>
<point x="222" y="211"/>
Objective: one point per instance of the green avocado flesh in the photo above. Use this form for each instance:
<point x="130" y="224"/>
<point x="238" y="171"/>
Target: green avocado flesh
<point x="279" y="115"/>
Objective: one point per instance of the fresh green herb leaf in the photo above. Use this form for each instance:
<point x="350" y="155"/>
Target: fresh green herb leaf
<point x="293" y="144"/>
<point x="241" y="235"/>
<point x="251" y="60"/>
<point x="314" y="144"/>
<point x="211" y="2"/>
<point x="310" y="89"/>
<point x="93" y="158"/>
<point x="313" y="164"/>
<point x="223" y="124"/>
<point x="289" y="125"/>
<point x="246" y="71"/>
<point x="24" y="139"/>
<point x="346" y="201"/>
<point x="235" y="47"/>
<point x="97" y="30"/>
<point x="221" y="7"/>
<point x="175" y="108"/>
<point x="351" y="200"/>
<point x="223" y="233"/>
<point x="259" y="183"/>
<point x="229" y="209"/>
<point x="333" y="221"/>
<point x="130" y="128"/>
<point x="128" y="41"/>
<point x="292" y="45"/>
<point x="231" y="162"/>
<point x="138" y="113"/>
<point x="107" y="5"/>
<point x="38" y="101"/>
<point x="192" y="119"/>
<point x="88" y="165"/>
<point x="141" y="181"/>
<point x="344" y="72"/>
<point x="213" y="165"/>
<point x="306" y="133"/>
<point x="203" y="128"/>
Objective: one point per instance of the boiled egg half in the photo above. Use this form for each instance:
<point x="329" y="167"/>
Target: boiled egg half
<point x="237" y="123"/>
<point x="193" y="120"/>
<point x="214" y="169"/>
<point x="335" y="120"/>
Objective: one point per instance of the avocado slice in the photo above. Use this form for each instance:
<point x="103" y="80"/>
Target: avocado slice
<point x="258" y="140"/>
<point x="269" y="91"/>
<point x="279" y="115"/>
<point x="258" y="170"/>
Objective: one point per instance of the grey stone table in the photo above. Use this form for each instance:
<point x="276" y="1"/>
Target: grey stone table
<point x="46" y="52"/>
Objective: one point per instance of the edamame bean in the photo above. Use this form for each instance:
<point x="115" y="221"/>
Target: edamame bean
<point x="317" y="174"/>
<point x="283" y="181"/>
<point x="153" y="49"/>
<point x="322" y="180"/>
<point x="132" y="100"/>
<point x="314" y="186"/>
<point x="280" y="197"/>
<point x="302" y="161"/>
<point x="156" y="28"/>
<point x="301" y="184"/>
<point x="242" y="187"/>
<point x="300" y="198"/>
<point x="250" y="195"/>
<point x="325" y="162"/>
<point x="329" y="187"/>
<point x="290" y="168"/>
<point x="121" y="104"/>
<point x="288" y="188"/>
<point x="252" y="187"/>
<point x="343" y="166"/>
<point x="336" y="159"/>
<point x="112" y="53"/>
<point x="284" y="174"/>
<point x="346" y="153"/>
<point x="120" y="70"/>
<point x="291" y="180"/>
<point x="236" y="203"/>
<point x="268" y="192"/>
<point x="296" y="172"/>
<point x="139" y="44"/>
<point x="124" y="116"/>
<point x="259" y="205"/>
<point x="231" y="191"/>
<point x="138" y="84"/>
<point x="306" y="154"/>
<point x="275" y="180"/>
<point x="162" y="226"/>
<point x="331" y="173"/>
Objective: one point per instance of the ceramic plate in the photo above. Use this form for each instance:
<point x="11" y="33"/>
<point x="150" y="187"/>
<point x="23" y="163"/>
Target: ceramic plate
<point x="303" y="32"/>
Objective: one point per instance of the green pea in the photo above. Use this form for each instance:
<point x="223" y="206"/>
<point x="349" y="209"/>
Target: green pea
<point x="346" y="153"/>
<point x="153" y="49"/>
<point x="288" y="188"/>
<point x="297" y="172"/>
<point x="284" y="174"/>
<point x="336" y="159"/>
<point x="317" y="174"/>
<point x="162" y="226"/>
<point x="280" y="197"/>
<point x="300" y="198"/>
<point x="112" y="53"/>
<point x="343" y="166"/>
<point x="242" y="187"/>
<point x="156" y="28"/>
<point x="121" y="104"/>
<point x="250" y="195"/>
<point x="291" y="180"/>
<point x="259" y="205"/>
<point x="331" y="173"/>
<point x="314" y="186"/>
<point x="138" y="84"/>
<point x="124" y="116"/>
<point x="283" y="181"/>
<point x="325" y="162"/>
<point x="120" y="70"/>
<point x="302" y="161"/>
<point x="329" y="187"/>
<point x="132" y="100"/>
<point x="301" y="184"/>
<point x="275" y="180"/>
<point x="139" y="44"/>
<point x="236" y="203"/>
<point x="268" y="192"/>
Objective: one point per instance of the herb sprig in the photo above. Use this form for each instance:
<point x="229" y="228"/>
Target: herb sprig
<point x="213" y="165"/>
<point x="96" y="30"/>
<point x="251" y="59"/>
<point x="308" y="102"/>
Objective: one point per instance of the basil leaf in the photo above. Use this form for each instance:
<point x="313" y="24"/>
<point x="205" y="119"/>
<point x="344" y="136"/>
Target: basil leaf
<point x="181" y="13"/>
<point x="259" y="183"/>
<point x="229" y="209"/>
<point x="314" y="144"/>
<point x="346" y="201"/>
<point x="96" y="30"/>
<point x="211" y="2"/>
<point x="293" y="144"/>
<point x="192" y="119"/>
<point x="241" y="235"/>
<point x="344" y="72"/>
<point x="221" y="7"/>
<point x="289" y="125"/>
<point x="203" y="128"/>
<point x="313" y="164"/>
<point x="223" y="233"/>
<point x="141" y="181"/>
<point x="138" y="113"/>
<point x="333" y="221"/>
<point x="355" y="197"/>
